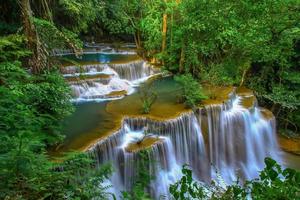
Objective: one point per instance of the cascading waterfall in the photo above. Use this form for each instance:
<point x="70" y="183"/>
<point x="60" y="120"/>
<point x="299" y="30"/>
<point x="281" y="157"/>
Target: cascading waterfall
<point x="95" y="90"/>
<point x="227" y="138"/>
<point x="106" y="81"/>
<point x="135" y="70"/>
<point x="239" y="140"/>
<point x="124" y="162"/>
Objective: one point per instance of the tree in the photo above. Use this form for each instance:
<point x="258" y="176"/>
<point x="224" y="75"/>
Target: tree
<point x="37" y="62"/>
<point x="192" y="90"/>
<point x="148" y="96"/>
<point x="31" y="108"/>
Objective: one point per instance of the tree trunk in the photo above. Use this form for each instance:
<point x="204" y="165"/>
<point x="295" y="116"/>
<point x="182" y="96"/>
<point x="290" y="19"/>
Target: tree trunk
<point x="139" y="38"/>
<point x="37" y="60"/>
<point x="171" y="28"/>
<point x="182" y="57"/>
<point x="243" y="77"/>
<point x="136" y="41"/>
<point x="164" y="32"/>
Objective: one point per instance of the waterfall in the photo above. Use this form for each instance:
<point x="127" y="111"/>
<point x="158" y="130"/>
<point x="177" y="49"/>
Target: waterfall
<point x="115" y="150"/>
<point x="94" y="90"/>
<point x="106" y="81"/>
<point x="239" y="140"/>
<point x="132" y="71"/>
<point x="228" y="138"/>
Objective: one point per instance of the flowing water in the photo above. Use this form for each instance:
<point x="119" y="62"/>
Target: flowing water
<point x="103" y="76"/>
<point x="92" y="120"/>
<point x="226" y="138"/>
<point x="230" y="137"/>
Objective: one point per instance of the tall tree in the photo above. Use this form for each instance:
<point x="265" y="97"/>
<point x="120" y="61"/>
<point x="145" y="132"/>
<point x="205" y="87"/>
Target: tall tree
<point x="164" y="30"/>
<point x="38" y="60"/>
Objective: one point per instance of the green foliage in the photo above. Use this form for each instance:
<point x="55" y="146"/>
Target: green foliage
<point x="151" y="24"/>
<point x="222" y="42"/>
<point x="77" y="14"/>
<point x="81" y="180"/>
<point x="45" y="96"/>
<point x="278" y="88"/>
<point x="50" y="96"/>
<point x="192" y="90"/>
<point x="29" y="175"/>
<point x="186" y="187"/>
<point x="31" y="110"/>
<point x="148" y="96"/>
<point x="12" y="48"/>
<point x="53" y="38"/>
<point x="274" y="183"/>
<point x="119" y="17"/>
<point x="141" y="19"/>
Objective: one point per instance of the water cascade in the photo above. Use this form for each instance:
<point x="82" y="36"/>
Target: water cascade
<point x="106" y="81"/>
<point x="133" y="72"/>
<point x="228" y="138"/>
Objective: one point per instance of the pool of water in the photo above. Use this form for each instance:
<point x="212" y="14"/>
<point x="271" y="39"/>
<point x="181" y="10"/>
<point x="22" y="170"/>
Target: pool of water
<point x="83" y="123"/>
<point x="93" y="120"/>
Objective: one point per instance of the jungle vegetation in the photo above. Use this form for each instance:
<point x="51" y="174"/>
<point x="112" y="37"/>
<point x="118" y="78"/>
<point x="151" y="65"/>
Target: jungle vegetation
<point x="241" y="43"/>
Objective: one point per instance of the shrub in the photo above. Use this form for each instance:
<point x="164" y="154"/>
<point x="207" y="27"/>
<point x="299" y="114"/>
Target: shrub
<point x="148" y="96"/>
<point x="273" y="183"/>
<point x="31" y="110"/>
<point x="192" y="90"/>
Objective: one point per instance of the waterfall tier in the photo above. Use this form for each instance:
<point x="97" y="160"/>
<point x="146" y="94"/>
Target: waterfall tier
<point x="106" y="81"/>
<point x="232" y="138"/>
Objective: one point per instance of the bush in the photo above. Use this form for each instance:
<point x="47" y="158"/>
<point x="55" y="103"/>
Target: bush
<point x="148" y="96"/>
<point x="192" y="90"/>
<point x="31" y="110"/>
<point x="273" y="183"/>
<point x="44" y="98"/>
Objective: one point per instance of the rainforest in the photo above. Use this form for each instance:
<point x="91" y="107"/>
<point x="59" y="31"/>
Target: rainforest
<point x="149" y="99"/>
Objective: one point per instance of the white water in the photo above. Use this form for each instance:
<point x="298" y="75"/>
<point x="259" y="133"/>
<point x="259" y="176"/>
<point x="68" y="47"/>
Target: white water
<point x="228" y="138"/>
<point x="102" y="80"/>
<point x="98" y="91"/>
<point x="240" y="140"/>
